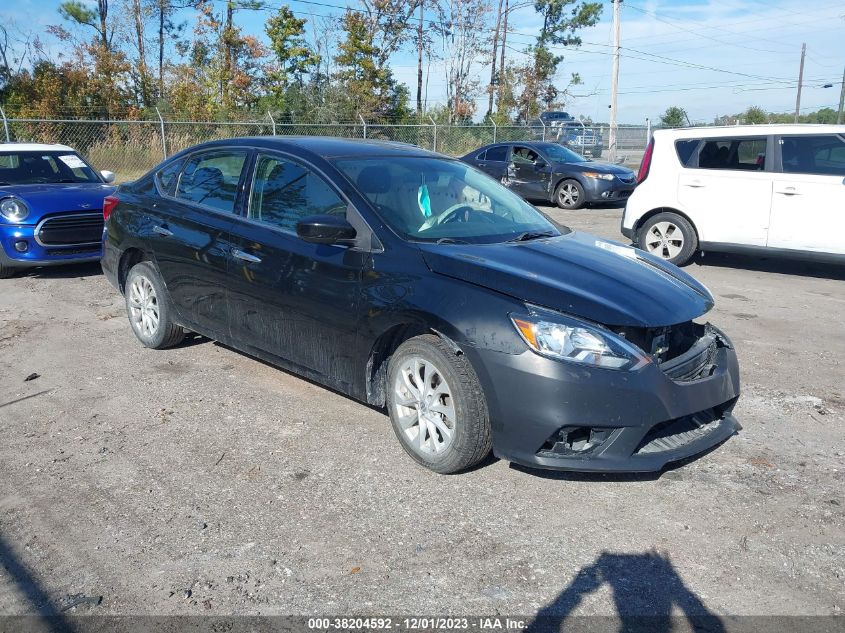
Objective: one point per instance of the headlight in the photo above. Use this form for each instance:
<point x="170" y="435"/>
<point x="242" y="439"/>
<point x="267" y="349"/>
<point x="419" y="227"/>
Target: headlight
<point x="566" y="338"/>
<point x="13" y="209"/>
<point x="595" y="174"/>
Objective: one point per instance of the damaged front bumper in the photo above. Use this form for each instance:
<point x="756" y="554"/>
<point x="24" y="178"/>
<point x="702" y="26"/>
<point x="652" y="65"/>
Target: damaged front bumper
<point x="556" y="415"/>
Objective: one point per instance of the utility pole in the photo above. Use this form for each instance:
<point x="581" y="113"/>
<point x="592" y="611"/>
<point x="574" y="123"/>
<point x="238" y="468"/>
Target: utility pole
<point x="493" y="76"/>
<point x="500" y="83"/>
<point x="420" y="60"/>
<point x="800" y="82"/>
<point x="841" y="99"/>
<point x="614" y="86"/>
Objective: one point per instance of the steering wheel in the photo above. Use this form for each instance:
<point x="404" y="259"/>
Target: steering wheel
<point x="449" y="215"/>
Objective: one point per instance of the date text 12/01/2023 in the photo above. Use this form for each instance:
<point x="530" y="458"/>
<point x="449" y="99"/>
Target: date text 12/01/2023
<point x="416" y="623"/>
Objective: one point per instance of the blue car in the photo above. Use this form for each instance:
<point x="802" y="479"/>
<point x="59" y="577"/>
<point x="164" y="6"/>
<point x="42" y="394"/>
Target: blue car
<point x="51" y="207"/>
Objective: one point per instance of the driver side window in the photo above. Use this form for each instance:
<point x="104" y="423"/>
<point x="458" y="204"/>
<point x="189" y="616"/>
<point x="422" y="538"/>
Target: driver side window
<point x="524" y="155"/>
<point x="284" y="192"/>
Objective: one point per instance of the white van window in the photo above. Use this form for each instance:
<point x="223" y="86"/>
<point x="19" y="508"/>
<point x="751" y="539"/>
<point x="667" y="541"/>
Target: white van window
<point x="746" y="154"/>
<point x="686" y="150"/>
<point x="821" y="154"/>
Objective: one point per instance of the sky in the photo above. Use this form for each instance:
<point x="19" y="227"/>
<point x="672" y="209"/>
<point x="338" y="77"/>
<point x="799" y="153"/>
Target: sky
<point x="711" y="57"/>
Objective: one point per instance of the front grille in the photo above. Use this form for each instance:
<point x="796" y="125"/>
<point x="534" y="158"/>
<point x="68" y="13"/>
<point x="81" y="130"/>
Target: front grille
<point x="674" y="434"/>
<point x="684" y="352"/>
<point x="697" y="362"/>
<point x="70" y="230"/>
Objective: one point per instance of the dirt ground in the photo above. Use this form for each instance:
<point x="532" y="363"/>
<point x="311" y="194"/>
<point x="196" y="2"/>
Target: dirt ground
<point x="200" y="481"/>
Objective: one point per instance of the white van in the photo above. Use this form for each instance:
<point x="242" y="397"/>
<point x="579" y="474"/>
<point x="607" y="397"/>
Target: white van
<point x="767" y="189"/>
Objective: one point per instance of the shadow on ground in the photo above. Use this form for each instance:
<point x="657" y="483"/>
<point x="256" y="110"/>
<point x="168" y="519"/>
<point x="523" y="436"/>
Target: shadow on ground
<point x="49" y="617"/>
<point x="772" y="265"/>
<point x="647" y="592"/>
<point x="65" y="271"/>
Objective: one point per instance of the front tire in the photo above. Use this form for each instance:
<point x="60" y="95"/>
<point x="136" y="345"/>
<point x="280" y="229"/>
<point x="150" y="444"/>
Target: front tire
<point x="436" y="406"/>
<point x="570" y="195"/>
<point x="669" y="236"/>
<point x="150" y="312"/>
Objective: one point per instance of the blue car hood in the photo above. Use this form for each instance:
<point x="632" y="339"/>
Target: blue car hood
<point x="581" y="275"/>
<point x="44" y="199"/>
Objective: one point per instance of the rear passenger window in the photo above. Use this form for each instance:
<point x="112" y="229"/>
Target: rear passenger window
<point x="284" y="192"/>
<point x="498" y="153"/>
<point x="212" y="179"/>
<point x="823" y="155"/>
<point x="746" y="154"/>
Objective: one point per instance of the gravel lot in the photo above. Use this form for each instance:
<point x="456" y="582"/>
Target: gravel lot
<point x="200" y="481"/>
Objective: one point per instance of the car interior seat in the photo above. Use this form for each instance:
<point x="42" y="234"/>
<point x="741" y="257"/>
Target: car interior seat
<point x="377" y="183"/>
<point x="707" y="155"/>
<point x="38" y="168"/>
<point x="207" y="187"/>
<point x="280" y="198"/>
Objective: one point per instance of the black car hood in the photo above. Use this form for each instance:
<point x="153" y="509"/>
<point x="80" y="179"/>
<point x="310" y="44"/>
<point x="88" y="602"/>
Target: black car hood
<point x="597" y="166"/>
<point x="581" y="275"/>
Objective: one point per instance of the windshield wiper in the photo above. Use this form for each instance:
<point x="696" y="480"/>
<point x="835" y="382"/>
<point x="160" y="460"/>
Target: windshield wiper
<point x="450" y="240"/>
<point x="531" y="235"/>
<point x="3" y="183"/>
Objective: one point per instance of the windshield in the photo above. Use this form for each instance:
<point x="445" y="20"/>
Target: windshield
<point x="433" y="199"/>
<point x="26" y="168"/>
<point x="560" y="154"/>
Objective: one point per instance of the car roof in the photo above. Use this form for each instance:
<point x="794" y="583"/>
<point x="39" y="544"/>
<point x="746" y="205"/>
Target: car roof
<point x="34" y="147"/>
<point x="751" y="130"/>
<point x="325" y="146"/>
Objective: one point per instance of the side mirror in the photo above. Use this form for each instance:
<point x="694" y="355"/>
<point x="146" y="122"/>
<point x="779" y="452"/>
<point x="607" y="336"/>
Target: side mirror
<point x="108" y="176"/>
<point x="325" y="229"/>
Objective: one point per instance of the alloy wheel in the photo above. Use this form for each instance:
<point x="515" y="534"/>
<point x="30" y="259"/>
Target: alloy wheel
<point x="424" y="406"/>
<point x="664" y="239"/>
<point x="569" y="195"/>
<point x="143" y="306"/>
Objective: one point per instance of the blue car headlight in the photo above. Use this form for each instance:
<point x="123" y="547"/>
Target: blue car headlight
<point x="598" y="176"/>
<point x="566" y="338"/>
<point x="14" y="209"/>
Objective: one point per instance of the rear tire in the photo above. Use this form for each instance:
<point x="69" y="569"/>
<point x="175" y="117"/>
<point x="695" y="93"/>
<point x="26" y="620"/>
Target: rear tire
<point x="437" y="407"/>
<point x="669" y="236"/>
<point x="569" y="195"/>
<point x="149" y="310"/>
<point x="6" y="272"/>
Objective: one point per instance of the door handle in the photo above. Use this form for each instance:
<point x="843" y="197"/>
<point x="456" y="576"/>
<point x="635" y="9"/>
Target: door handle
<point x="695" y="184"/>
<point x="162" y="231"/>
<point x="788" y="191"/>
<point x="239" y="254"/>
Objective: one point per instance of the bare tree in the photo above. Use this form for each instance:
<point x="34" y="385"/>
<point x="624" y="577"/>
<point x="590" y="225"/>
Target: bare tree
<point x="167" y="28"/>
<point x="137" y="16"/>
<point x="493" y="77"/>
<point x="461" y="26"/>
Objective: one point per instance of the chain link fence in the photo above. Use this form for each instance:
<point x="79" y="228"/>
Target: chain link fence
<point x="130" y="147"/>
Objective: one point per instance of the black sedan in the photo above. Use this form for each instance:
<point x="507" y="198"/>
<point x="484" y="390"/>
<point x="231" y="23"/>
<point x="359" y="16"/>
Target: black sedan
<point x="553" y="173"/>
<point x="410" y="281"/>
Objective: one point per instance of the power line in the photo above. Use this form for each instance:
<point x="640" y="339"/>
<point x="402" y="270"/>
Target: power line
<point x="654" y="57"/>
<point x="722" y="26"/>
<point x="706" y="37"/>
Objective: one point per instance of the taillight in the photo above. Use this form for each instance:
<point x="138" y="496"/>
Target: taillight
<point x="646" y="162"/>
<point x="109" y="203"/>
